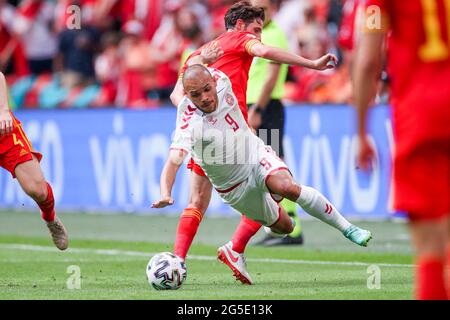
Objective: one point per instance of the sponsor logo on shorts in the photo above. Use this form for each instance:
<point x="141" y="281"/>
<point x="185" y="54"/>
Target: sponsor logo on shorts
<point x="23" y="152"/>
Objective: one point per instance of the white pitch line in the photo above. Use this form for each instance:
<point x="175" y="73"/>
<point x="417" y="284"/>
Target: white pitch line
<point x="117" y="252"/>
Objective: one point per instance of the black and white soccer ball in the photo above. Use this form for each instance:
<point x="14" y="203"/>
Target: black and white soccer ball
<point x="165" y="271"/>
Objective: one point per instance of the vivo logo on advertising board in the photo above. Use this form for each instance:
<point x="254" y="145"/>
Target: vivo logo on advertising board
<point x="127" y="170"/>
<point x="114" y="160"/>
<point x="330" y="166"/>
<point x="124" y="167"/>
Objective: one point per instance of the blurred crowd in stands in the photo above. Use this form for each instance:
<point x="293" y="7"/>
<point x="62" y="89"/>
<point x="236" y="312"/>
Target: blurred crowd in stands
<point x="127" y="53"/>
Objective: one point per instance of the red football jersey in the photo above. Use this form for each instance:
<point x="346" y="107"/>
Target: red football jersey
<point x="235" y="62"/>
<point x="419" y="66"/>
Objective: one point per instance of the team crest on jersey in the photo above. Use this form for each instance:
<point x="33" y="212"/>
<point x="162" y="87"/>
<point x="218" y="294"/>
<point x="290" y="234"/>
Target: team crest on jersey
<point x="229" y="99"/>
<point x="211" y="120"/>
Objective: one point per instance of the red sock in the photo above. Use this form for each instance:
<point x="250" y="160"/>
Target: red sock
<point x="448" y="271"/>
<point x="430" y="283"/>
<point x="187" y="228"/>
<point x="48" y="206"/>
<point x="246" y="229"/>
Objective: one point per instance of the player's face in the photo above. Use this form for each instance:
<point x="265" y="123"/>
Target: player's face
<point x="254" y="27"/>
<point x="202" y="92"/>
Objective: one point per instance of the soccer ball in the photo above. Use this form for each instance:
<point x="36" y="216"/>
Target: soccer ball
<point x="165" y="271"/>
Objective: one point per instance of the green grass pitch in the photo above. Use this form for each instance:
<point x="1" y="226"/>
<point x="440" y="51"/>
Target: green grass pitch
<point x="111" y="252"/>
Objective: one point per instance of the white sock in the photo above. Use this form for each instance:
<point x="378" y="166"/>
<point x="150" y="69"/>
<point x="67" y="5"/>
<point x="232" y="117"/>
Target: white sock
<point x="314" y="203"/>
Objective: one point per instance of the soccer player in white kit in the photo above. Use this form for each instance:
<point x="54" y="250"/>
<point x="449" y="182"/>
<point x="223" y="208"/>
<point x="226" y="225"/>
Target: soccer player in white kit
<point x="246" y="173"/>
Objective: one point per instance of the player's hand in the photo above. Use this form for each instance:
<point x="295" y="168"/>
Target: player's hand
<point x="366" y="154"/>
<point x="6" y="123"/>
<point x="211" y="52"/>
<point x="328" y="61"/>
<point x="164" y="202"/>
<point x="254" y="118"/>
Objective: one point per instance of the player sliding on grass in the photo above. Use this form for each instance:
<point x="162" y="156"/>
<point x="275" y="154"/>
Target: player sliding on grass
<point x="245" y="172"/>
<point x="235" y="48"/>
<point x="18" y="157"/>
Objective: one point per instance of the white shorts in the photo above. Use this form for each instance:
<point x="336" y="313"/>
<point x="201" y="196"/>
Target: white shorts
<point x="251" y="197"/>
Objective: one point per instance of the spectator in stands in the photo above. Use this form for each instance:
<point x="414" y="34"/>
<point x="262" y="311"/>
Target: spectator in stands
<point x="191" y="32"/>
<point x="106" y="68"/>
<point x="165" y="51"/>
<point x="62" y="15"/>
<point x="137" y="68"/>
<point x="147" y="61"/>
<point x="12" y="54"/>
<point x="217" y="10"/>
<point x="77" y="48"/>
<point x="202" y="15"/>
<point x="313" y="41"/>
<point x="33" y="25"/>
<point x="338" y="88"/>
<point x="147" y="12"/>
<point x="290" y="18"/>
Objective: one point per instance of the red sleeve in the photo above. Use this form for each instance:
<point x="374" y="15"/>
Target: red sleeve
<point x="244" y="41"/>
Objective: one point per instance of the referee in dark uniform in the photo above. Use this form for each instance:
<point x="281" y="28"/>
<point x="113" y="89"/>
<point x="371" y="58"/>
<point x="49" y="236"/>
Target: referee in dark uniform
<point x="266" y="111"/>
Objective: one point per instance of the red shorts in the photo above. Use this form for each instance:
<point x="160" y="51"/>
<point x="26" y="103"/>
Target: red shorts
<point x="15" y="148"/>
<point x="195" y="168"/>
<point x="421" y="180"/>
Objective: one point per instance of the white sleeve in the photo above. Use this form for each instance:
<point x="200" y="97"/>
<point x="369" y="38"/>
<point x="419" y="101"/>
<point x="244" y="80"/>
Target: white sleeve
<point x="182" y="137"/>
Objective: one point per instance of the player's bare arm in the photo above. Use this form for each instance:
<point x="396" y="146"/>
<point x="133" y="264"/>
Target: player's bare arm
<point x="367" y="69"/>
<point x="168" y="175"/>
<point x="177" y="94"/>
<point x="210" y="53"/>
<point x="6" y="122"/>
<point x="261" y="50"/>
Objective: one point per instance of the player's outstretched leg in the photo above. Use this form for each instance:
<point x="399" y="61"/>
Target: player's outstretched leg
<point x="429" y="238"/>
<point x="232" y="253"/>
<point x="284" y="225"/>
<point x="315" y="204"/>
<point x="190" y="219"/>
<point x="295" y="237"/>
<point x="187" y="228"/>
<point x="235" y="261"/>
<point x="33" y="183"/>
<point x="448" y="258"/>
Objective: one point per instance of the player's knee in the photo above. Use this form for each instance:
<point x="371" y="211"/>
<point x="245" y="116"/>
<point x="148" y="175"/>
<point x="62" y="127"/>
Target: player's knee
<point x="199" y="204"/>
<point x="36" y="190"/>
<point x="199" y="201"/>
<point x="285" y="229"/>
<point x="288" y="189"/>
<point x="283" y="226"/>
<point x="289" y="228"/>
